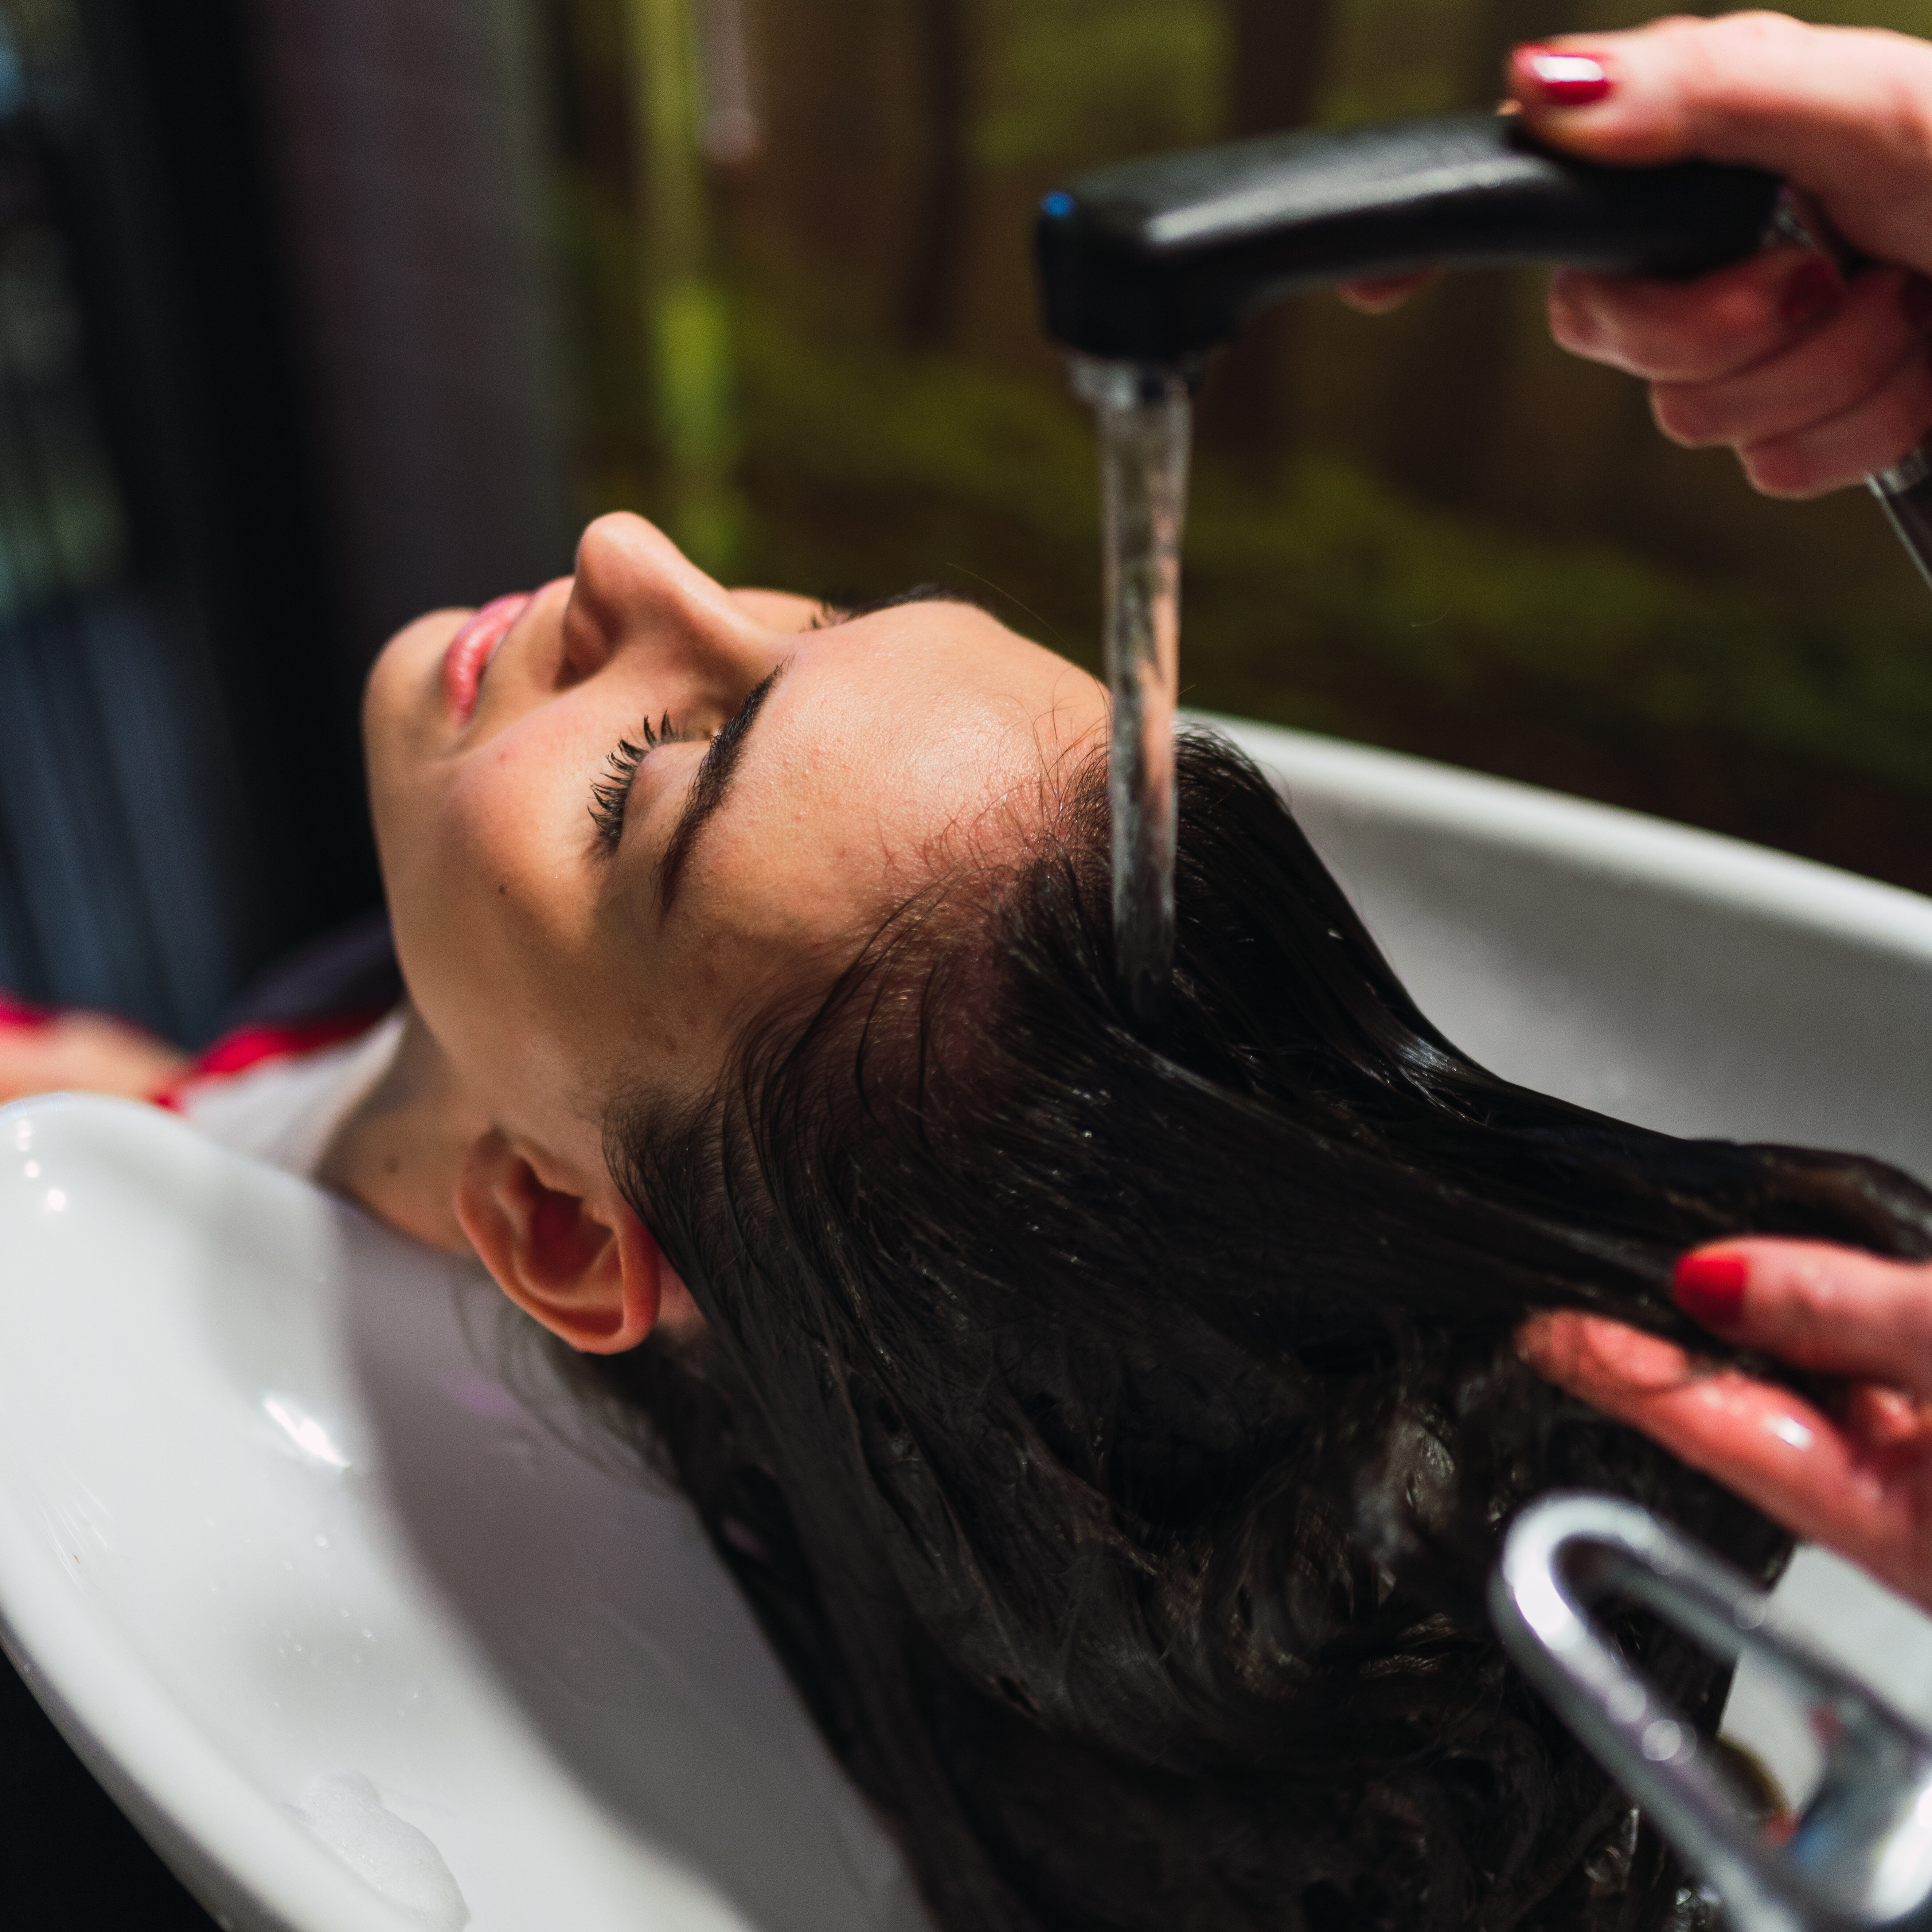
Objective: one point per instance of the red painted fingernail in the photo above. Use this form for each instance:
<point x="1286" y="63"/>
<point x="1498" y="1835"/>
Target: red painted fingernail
<point x="1710" y="1289"/>
<point x="1815" y="289"/>
<point x="1562" y="80"/>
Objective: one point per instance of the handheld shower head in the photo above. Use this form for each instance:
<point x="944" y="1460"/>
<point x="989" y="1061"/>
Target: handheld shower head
<point x="1156" y="262"/>
<point x="1147" y="266"/>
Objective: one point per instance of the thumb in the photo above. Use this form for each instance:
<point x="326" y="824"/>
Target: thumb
<point x="1845" y="113"/>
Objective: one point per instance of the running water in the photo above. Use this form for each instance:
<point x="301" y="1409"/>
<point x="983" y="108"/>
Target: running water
<point x="1144" y="417"/>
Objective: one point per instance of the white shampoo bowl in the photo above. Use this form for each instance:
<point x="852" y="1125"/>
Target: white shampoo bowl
<point x="362" y="1645"/>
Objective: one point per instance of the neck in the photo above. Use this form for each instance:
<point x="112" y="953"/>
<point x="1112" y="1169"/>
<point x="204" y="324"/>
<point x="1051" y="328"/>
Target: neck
<point x="399" y="1153"/>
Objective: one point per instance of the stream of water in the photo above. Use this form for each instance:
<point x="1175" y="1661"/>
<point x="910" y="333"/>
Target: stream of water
<point x="1144" y="418"/>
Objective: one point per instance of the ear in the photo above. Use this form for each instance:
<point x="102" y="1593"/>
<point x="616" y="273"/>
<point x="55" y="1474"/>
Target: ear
<point x="580" y="1262"/>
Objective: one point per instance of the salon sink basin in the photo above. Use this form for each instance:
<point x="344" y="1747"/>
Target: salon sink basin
<point x="296" y="1549"/>
<point x="1686" y="981"/>
<point x="304" y="1552"/>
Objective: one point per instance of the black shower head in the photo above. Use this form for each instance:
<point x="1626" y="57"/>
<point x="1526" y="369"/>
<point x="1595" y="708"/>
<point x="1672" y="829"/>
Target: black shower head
<point x="1157" y="261"/>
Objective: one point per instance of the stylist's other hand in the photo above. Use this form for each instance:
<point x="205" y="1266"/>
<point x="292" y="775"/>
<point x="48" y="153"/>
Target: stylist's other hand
<point x="42" y="1052"/>
<point x="1860" y="1482"/>
<point x="1814" y="379"/>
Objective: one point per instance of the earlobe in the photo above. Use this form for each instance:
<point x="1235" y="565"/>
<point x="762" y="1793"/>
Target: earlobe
<point x="583" y="1264"/>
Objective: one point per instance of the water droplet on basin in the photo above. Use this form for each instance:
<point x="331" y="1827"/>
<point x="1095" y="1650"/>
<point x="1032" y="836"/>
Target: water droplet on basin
<point x="392" y="1856"/>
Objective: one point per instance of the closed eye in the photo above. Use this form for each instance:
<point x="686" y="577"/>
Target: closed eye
<point x="610" y="793"/>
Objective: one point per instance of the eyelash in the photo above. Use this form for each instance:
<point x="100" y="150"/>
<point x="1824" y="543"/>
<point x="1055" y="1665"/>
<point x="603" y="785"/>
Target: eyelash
<point x="610" y="794"/>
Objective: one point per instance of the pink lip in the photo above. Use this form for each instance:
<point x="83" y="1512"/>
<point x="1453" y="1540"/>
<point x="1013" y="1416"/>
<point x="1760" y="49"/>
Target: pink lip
<point x="471" y="649"/>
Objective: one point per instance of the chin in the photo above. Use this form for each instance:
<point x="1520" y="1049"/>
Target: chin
<point x="405" y="680"/>
<point x="422" y="640"/>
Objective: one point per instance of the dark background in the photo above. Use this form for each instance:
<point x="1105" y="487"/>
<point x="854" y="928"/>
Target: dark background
<point x="315" y="314"/>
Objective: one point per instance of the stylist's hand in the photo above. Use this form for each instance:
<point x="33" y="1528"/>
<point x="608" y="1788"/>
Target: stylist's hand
<point x="1861" y="1484"/>
<point x="1813" y="379"/>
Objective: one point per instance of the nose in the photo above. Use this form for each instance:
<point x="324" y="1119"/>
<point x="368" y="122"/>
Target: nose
<point x="636" y="590"/>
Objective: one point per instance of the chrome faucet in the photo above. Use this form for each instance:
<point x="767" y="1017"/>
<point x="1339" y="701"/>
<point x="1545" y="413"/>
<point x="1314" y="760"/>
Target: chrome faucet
<point x="1858" y="1854"/>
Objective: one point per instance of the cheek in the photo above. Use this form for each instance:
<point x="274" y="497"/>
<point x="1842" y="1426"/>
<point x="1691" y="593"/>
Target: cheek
<point x="512" y="851"/>
<point x="489" y="887"/>
<point x="492" y="821"/>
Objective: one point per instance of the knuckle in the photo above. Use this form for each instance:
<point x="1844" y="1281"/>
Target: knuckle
<point x="1897" y="119"/>
<point x="1814" y="1288"/>
<point x="1905" y="414"/>
<point x="1590" y="316"/>
<point x="1879" y="343"/>
<point x="1764" y="24"/>
<point x="1706" y="59"/>
<point x="1580" y="332"/>
<point x="1684" y="412"/>
<point x="1829" y="1297"/>
<point x="1744" y="311"/>
<point x="1784" y="470"/>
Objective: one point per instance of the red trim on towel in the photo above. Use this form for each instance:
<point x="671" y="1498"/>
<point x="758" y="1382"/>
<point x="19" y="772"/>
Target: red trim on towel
<point x="21" y="1013"/>
<point x="248" y="1046"/>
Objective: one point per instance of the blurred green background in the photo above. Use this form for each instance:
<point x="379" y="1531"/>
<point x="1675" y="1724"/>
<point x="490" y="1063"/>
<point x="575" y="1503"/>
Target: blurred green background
<point x="793" y="237"/>
<point x="315" y="317"/>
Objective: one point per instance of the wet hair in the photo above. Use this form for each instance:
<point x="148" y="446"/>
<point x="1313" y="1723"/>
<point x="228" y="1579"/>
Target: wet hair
<point x="1112" y="1423"/>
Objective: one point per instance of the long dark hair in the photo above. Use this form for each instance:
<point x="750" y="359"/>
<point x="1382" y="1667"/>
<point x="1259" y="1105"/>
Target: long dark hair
<point x="1111" y="1422"/>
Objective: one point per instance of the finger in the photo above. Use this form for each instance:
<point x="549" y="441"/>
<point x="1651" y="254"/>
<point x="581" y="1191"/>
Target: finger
<point x="1379" y="297"/>
<point x="1876" y="433"/>
<point x="1847" y="359"/>
<point x="1764" y="1443"/>
<point x="1708" y="1417"/>
<point x="1604" y="1361"/>
<point x="1875" y="1419"/>
<point x="1829" y="1309"/>
<point x="1845" y="112"/>
<point x="87" y="1053"/>
<point x="1697" y="332"/>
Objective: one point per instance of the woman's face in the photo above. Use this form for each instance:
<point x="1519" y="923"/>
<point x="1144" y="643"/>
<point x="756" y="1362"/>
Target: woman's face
<point x="570" y="927"/>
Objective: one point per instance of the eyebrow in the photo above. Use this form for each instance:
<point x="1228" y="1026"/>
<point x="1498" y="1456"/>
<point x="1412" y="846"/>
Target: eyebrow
<point x="708" y="787"/>
<point x="834" y="611"/>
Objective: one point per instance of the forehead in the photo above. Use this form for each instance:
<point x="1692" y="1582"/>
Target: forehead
<point x="884" y="737"/>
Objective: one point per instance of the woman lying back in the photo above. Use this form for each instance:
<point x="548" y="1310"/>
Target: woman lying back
<point x="1111" y="1423"/>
